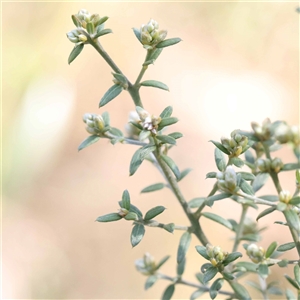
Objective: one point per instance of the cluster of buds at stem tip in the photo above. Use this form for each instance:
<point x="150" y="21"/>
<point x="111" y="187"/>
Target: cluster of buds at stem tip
<point x="237" y="145"/>
<point x="150" y="35"/>
<point x="95" y="124"/>
<point x="285" y="196"/>
<point x="216" y="255"/>
<point x="287" y="134"/>
<point x="268" y="165"/>
<point x="227" y="181"/>
<point x="263" y="132"/>
<point x="148" y="122"/>
<point x="256" y="254"/>
<point x="146" y="265"/>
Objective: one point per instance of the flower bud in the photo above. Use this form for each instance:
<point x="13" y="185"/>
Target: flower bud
<point x="230" y="178"/>
<point x="255" y="253"/>
<point x="123" y="212"/>
<point x="99" y="122"/>
<point x="285" y="196"/>
<point x="143" y="114"/>
<point x="263" y="165"/>
<point x="276" y="164"/>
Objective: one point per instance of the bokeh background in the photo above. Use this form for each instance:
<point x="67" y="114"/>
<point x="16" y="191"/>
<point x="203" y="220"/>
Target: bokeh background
<point x="238" y="62"/>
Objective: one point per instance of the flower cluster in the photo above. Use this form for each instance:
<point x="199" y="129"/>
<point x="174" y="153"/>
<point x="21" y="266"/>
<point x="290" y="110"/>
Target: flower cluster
<point x="285" y="196"/>
<point x="255" y="253"/>
<point x="216" y="254"/>
<point x="148" y="122"/>
<point x="95" y="123"/>
<point x="263" y="132"/>
<point x="267" y="165"/>
<point x="227" y="181"/>
<point x="287" y="134"/>
<point x="237" y="145"/>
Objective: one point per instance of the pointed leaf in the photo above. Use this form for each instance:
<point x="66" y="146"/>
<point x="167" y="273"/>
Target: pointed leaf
<point x="137" y="34"/>
<point x="109" y="218"/>
<point x="169" y="227"/>
<point x="259" y="181"/>
<point x="202" y="251"/>
<point x="153" y="187"/>
<point x="263" y="271"/>
<point x="217" y="219"/>
<point x="184" y="173"/>
<point x="289" y="295"/>
<point x="90" y="27"/>
<point x="297" y="274"/>
<point x="221" y="147"/>
<point x="166" y="139"/>
<point x="168" y="293"/>
<point x="292" y="219"/>
<point x="241" y="292"/>
<point x="162" y="261"/>
<point x="237" y="162"/>
<point x="135" y="210"/>
<point x="102" y="32"/>
<point x="197" y="294"/>
<point x="247" y="176"/>
<point x="228" y="276"/>
<point x="131" y="216"/>
<point x="171" y="164"/>
<point x="246" y="187"/>
<point x="292" y="282"/>
<point x="286" y="247"/>
<point x="155" y="83"/>
<point x="249" y="157"/>
<point x="211" y="175"/>
<point x="220" y="160"/>
<point x="88" y="141"/>
<point x="196" y="202"/>
<point x="153" y="212"/>
<point x="138" y="157"/>
<point x="176" y="135"/>
<point x="112" y="93"/>
<point x="168" y="42"/>
<point x="126" y="200"/>
<point x="181" y="267"/>
<point x="137" y="234"/>
<point x="232" y="257"/>
<point x="167" y="122"/>
<point x="167" y="112"/>
<point x="295" y="201"/>
<point x="184" y="244"/>
<point x="289" y="167"/>
<point x="266" y="212"/>
<point x="247" y="266"/>
<point x="215" y="287"/>
<point x="75" y="52"/>
<point x="271" y="249"/>
<point x="210" y="273"/>
<point x="150" y="281"/>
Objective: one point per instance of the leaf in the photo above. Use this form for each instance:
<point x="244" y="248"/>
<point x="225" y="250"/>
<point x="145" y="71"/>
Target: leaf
<point x="137" y="34"/>
<point x="246" y="187"/>
<point x="168" y="293"/>
<point x="112" y="93"/>
<point x="90" y="27"/>
<point x="228" y="276"/>
<point x="156" y="84"/>
<point x="292" y="282"/>
<point x="259" y="181"/>
<point x="138" y="157"/>
<point x="162" y="261"/>
<point x="88" y="141"/>
<point x="166" y="139"/>
<point x="171" y="164"/>
<point x="153" y="187"/>
<point x="271" y="198"/>
<point x="137" y="234"/>
<point x="75" y="52"/>
<point x="202" y="251"/>
<point x="210" y="273"/>
<point x="196" y="202"/>
<point x="295" y="201"/>
<point x="176" y="135"/>
<point x="247" y="266"/>
<point x="215" y="287"/>
<point x="247" y="176"/>
<point x="167" y="122"/>
<point x="197" y="294"/>
<point x="184" y="173"/>
<point x="292" y="219"/>
<point x="168" y="42"/>
<point x="232" y="257"/>
<point x="109" y="218"/>
<point x="237" y="162"/>
<point x="297" y="273"/>
<point x="286" y="247"/>
<point x="102" y="32"/>
<point x="211" y="175"/>
<point x="283" y="263"/>
<point x="150" y="281"/>
<point x="217" y="219"/>
<point x="184" y="244"/>
<point x="135" y="210"/>
<point x="263" y="271"/>
<point x="131" y="216"/>
<point x="167" y="112"/>
<point x="241" y="292"/>
<point x="181" y="267"/>
<point x="221" y="147"/>
<point x="271" y="249"/>
<point x="120" y="77"/>
<point x="220" y="160"/>
<point x="289" y="167"/>
<point x="289" y="295"/>
<point x="126" y="200"/>
<point x="153" y="212"/>
<point x="217" y="197"/>
<point x="266" y="212"/>
<point x="249" y="157"/>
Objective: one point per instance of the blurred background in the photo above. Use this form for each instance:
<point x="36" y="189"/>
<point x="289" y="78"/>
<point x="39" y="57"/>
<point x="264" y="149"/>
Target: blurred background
<point x="238" y="62"/>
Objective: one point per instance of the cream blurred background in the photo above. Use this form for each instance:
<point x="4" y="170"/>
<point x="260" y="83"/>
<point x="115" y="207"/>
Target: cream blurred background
<point x="238" y="62"/>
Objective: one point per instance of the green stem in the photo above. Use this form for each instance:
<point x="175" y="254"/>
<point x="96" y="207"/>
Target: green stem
<point x="240" y="228"/>
<point x="142" y="72"/>
<point x="135" y="95"/>
<point x="255" y="199"/>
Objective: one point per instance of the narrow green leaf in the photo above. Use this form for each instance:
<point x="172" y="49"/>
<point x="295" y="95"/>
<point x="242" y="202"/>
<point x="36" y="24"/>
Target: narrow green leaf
<point x="115" y="131"/>
<point x="90" y="27"/>
<point x="252" y="237"/>
<point x="135" y="210"/>
<point x="289" y="167"/>
<point x="196" y="202"/>
<point x="109" y="218"/>
<point x="247" y="266"/>
<point x="166" y="139"/>
<point x="297" y="274"/>
<point x="271" y="249"/>
<point x="153" y="187"/>
<point x="137" y="33"/>
<point x="295" y="201"/>
<point x="247" y="176"/>
<point x="156" y="84"/>
<point x="88" y="141"/>
<point x="167" y="122"/>
<point x="181" y="267"/>
<point x="232" y="257"/>
<point x="168" y="42"/>
<point x="249" y="157"/>
<point x="126" y="200"/>
<point x="274" y="290"/>
<point x="266" y="212"/>
<point x="102" y="32"/>
<point x="286" y="247"/>
<point x="162" y="261"/>
<point x="220" y="160"/>
<point x="75" y="52"/>
<point x="289" y="295"/>
<point x="137" y="234"/>
<point x="259" y="181"/>
<point x="292" y="219"/>
<point x="75" y="21"/>
<point x="197" y="294"/>
<point x="184" y="244"/>
<point x="292" y="282"/>
<point x="138" y="157"/>
<point x="298" y="176"/>
<point x="246" y="187"/>
<point x="184" y="173"/>
<point x="217" y="219"/>
<point x="254" y="285"/>
<point x="221" y="147"/>
<point x="150" y="281"/>
<point x="215" y="287"/>
<point x="131" y="216"/>
<point x="210" y="273"/>
<point x="153" y="212"/>
<point x="199" y="277"/>
<point x="167" y="112"/>
<point x="211" y="175"/>
<point x="219" y="197"/>
<point x="168" y="293"/>
<point x="202" y="251"/>
<point x="176" y="135"/>
<point x="237" y="162"/>
<point x="152" y="55"/>
<point x="171" y="164"/>
<point x="112" y="93"/>
<point x="241" y="292"/>
<point x="228" y="276"/>
<point x="263" y="271"/>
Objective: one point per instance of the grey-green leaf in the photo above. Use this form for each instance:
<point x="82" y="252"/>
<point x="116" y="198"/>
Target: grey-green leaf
<point x="88" y="141"/>
<point x="75" y="52"/>
<point x="221" y="147"/>
<point x="240" y="290"/>
<point x="150" y="281"/>
<point x="109" y="218"/>
<point x="167" y="122"/>
<point x="266" y="212"/>
<point x="171" y="164"/>
<point x="286" y="247"/>
<point x="131" y="216"/>
<point x="259" y="181"/>
<point x="166" y="139"/>
<point x="292" y="282"/>
<point x="237" y="162"/>
<point x="168" y="293"/>
<point x="156" y="84"/>
<point x="232" y="257"/>
<point x="220" y="160"/>
<point x="197" y="294"/>
<point x="168" y="42"/>
<point x="126" y="200"/>
<point x="176" y="135"/>
<point x="196" y="202"/>
<point x="217" y="219"/>
<point x="137" y="234"/>
<point x="289" y="295"/>
<point x="247" y="176"/>
<point x="263" y="270"/>
<point x="153" y="212"/>
<point x="169" y="227"/>
<point x="153" y="187"/>
<point x="246" y="187"/>
<point x="184" y="173"/>
<point x="167" y="112"/>
<point x="291" y="166"/>
<point x="297" y="273"/>
<point x="202" y="251"/>
<point x="102" y="32"/>
<point x="112" y="93"/>
<point x="215" y="287"/>
<point x="184" y="244"/>
<point x="210" y="273"/>
<point x="181" y="267"/>
<point x="162" y="261"/>
<point x="295" y="201"/>
<point x="292" y="219"/>
<point x="137" y="34"/>
<point x="271" y="249"/>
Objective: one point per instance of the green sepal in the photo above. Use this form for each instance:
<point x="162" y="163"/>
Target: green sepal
<point x="75" y="52"/>
<point x="168" y="42"/>
<point x="181" y="267"/>
<point x="266" y="212"/>
<point x="210" y="273"/>
<point x="90" y="28"/>
<point x="153" y="187"/>
<point x="153" y="212"/>
<point x="263" y="271"/>
<point x="171" y="164"/>
<point x="259" y="181"/>
<point x="218" y="219"/>
<point x="102" y="32"/>
<point x="184" y="244"/>
<point x="184" y="173"/>
<point x="125" y="203"/>
<point x="167" y="122"/>
<point x="221" y="147"/>
<point x="220" y="160"/>
<point x="131" y="216"/>
<point x="138" y="232"/>
<point x="150" y="281"/>
<point x="232" y="257"/>
<point x="167" y="112"/>
<point x="271" y="249"/>
<point x="166" y="139"/>
<point x="215" y="287"/>
<point x="109" y="218"/>
<point x="156" y="84"/>
<point x="168" y="293"/>
<point x="88" y="141"/>
<point x="286" y="247"/>
<point x="202" y="251"/>
<point x="112" y="93"/>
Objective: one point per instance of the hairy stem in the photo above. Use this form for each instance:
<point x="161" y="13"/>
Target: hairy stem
<point x="240" y="228"/>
